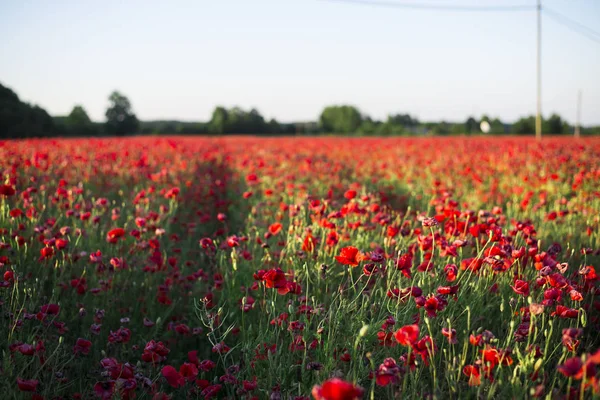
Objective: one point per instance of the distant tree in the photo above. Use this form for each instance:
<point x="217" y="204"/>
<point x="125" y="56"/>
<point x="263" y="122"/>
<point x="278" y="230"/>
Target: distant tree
<point x="340" y="119"/>
<point x="390" y="129"/>
<point x="369" y="127"/>
<point x="78" y="123"/>
<point x="275" y="127"/>
<point x="590" y="130"/>
<point x="555" y="125"/>
<point x="238" y="121"/>
<point x="471" y="126"/>
<point x="457" y="129"/>
<point x="218" y="120"/>
<point x="443" y="128"/>
<point x="78" y="116"/>
<point x="21" y="120"/>
<point x="496" y="126"/>
<point x="120" y="119"/>
<point x="524" y="126"/>
<point x="254" y="123"/>
<point x="404" y="120"/>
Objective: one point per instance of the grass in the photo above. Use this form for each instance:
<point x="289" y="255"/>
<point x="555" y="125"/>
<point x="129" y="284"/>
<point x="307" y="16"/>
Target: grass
<point x="187" y="271"/>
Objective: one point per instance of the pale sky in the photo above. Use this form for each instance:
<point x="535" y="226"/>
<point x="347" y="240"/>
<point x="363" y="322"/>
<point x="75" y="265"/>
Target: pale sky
<point x="290" y="58"/>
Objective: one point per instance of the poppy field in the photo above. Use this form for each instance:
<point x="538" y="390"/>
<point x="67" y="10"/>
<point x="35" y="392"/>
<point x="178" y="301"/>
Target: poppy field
<point x="300" y="268"/>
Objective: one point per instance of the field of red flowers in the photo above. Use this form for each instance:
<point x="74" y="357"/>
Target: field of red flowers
<point x="299" y="268"/>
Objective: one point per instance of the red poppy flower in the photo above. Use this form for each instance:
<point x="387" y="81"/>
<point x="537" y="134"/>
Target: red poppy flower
<point x="210" y="391"/>
<point x="46" y="252"/>
<point x="189" y="371"/>
<point x="476" y="340"/>
<point x="9" y="276"/>
<point x="309" y="243"/>
<point x="521" y="287"/>
<point x="350" y="194"/>
<point x="337" y="389"/>
<point x="565" y="312"/>
<point x="82" y="346"/>
<point x="26" y="349"/>
<point x="27" y="385"/>
<point x="387" y="373"/>
<point x="349" y="256"/>
<point x="570" y="367"/>
<point x="155" y="352"/>
<point x="536" y="309"/>
<point x="431" y="306"/>
<point x="50" y="309"/>
<point x="220" y="348"/>
<point x="392" y="231"/>
<point x="575" y="295"/>
<point x="450" y="270"/>
<point x="407" y="335"/>
<point x="113" y="235"/>
<point x="207" y="365"/>
<point x="404" y="264"/>
<point x="490" y="356"/>
<point x="172" y="376"/>
<point x="275" y="228"/>
<point x="7" y="190"/>
<point x="450" y="334"/>
<point x="61" y="243"/>
<point x="472" y="371"/>
<point x="332" y="238"/>
<point x="104" y="390"/>
<point x="233" y="241"/>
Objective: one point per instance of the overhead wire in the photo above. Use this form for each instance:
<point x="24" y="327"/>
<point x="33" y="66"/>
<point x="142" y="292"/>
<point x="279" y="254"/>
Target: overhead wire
<point x="572" y="24"/>
<point x="438" y="7"/>
<point x="556" y="16"/>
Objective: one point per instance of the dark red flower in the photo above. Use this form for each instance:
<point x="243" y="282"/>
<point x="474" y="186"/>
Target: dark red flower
<point x="404" y="263"/>
<point x="521" y="287"/>
<point x="450" y="334"/>
<point x="275" y="228"/>
<point x="472" y="371"/>
<point x="27" y="385"/>
<point x="172" y="376"/>
<point x="82" y="346"/>
<point x="388" y="372"/>
<point x="337" y="389"/>
<point x="350" y="194"/>
<point x="407" y="335"/>
<point x="207" y="365"/>
<point x="189" y="371"/>
<point x="155" y="352"/>
<point x="104" y="390"/>
<point x="46" y="252"/>
<point x="275" y="279"/>
<point x="7" y="190"/>
<point x="309" y="244"/>
<point x="220" y="348"/>
<point x="570" y="367"/>
<point x="565" y="312"/>
<point x="113" y="235"/>
<point x="349" y="256"/>
<point x="432" y="306"/>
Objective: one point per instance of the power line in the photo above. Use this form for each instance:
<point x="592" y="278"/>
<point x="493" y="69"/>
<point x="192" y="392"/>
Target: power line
<point x="572" y="21"/>
<point x="436" y="7"/>
<point x="573" y="25"/>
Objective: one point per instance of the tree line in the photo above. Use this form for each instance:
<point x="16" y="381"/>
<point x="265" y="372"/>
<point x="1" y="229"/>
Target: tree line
<point x="22" y="120"/>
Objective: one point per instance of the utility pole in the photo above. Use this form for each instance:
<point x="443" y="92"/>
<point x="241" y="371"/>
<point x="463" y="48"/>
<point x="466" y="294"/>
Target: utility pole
<point x="578" y="124"/>
<point x="538" y="116"/>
